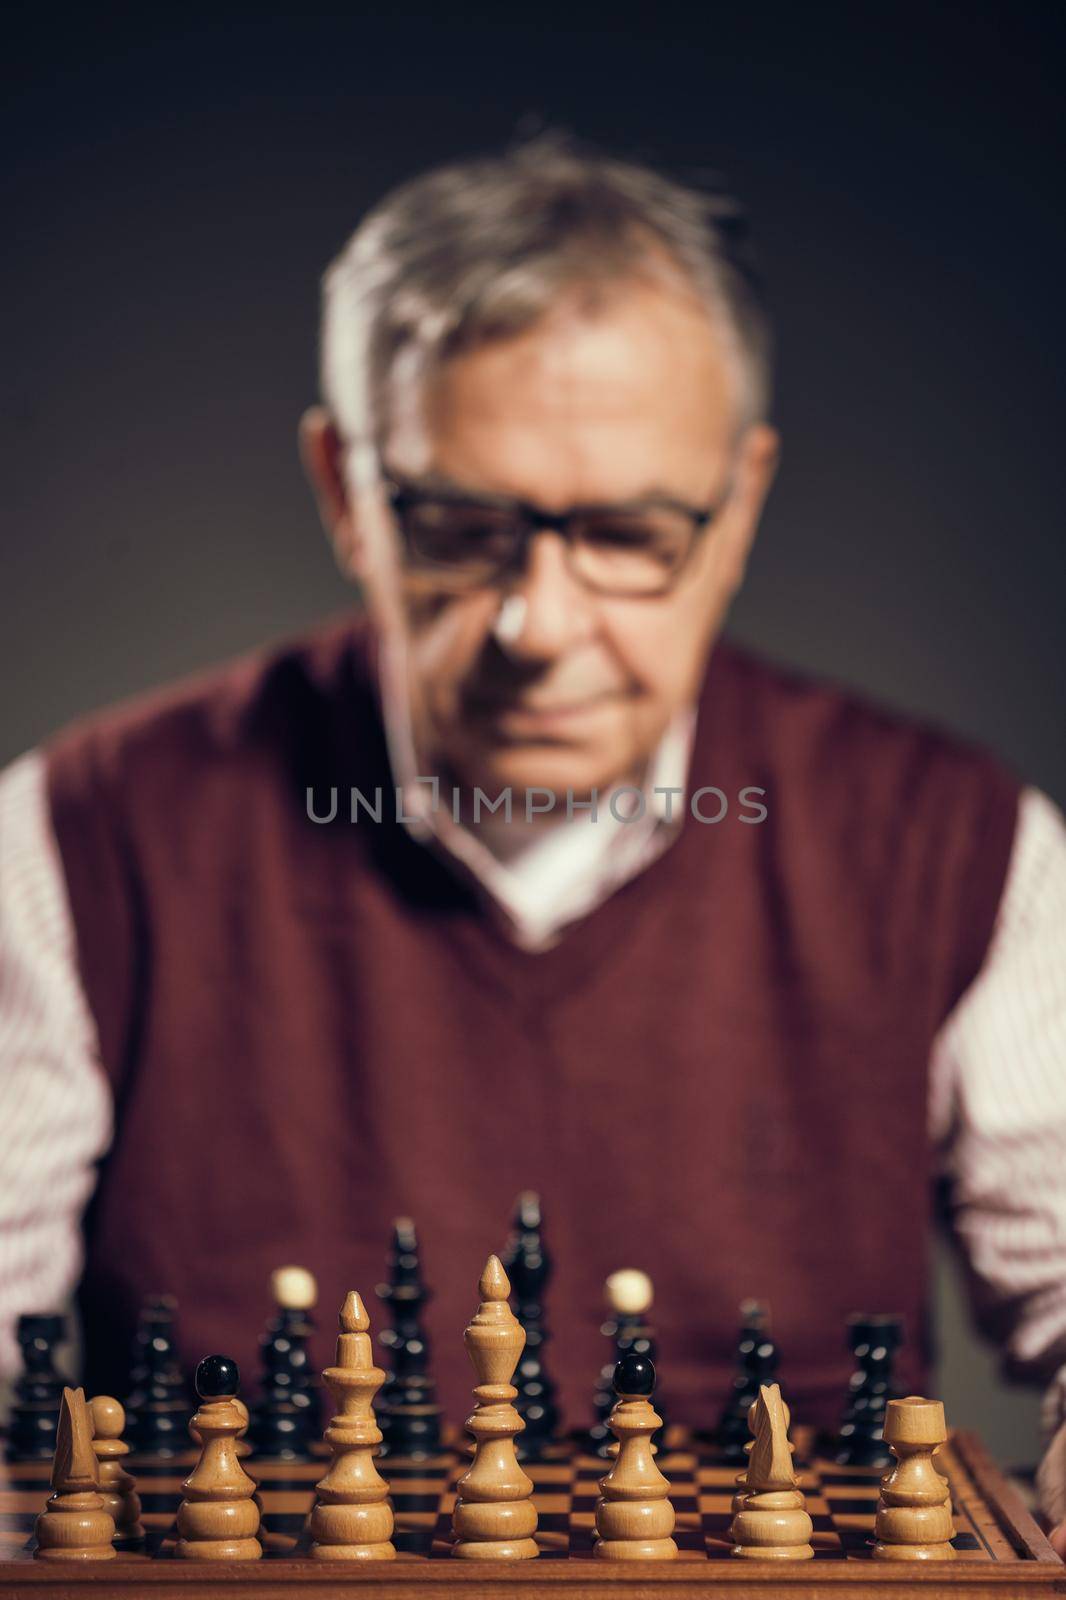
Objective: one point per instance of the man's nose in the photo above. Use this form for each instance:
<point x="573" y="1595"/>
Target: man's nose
<point x="558" y="611"/>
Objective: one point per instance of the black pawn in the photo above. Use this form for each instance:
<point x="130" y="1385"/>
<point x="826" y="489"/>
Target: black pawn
<point x="287" y="1419"/>
<point x="407" y="1412"/>
<point x="757" y="1362"/>
<point x="529" y="1268"/>
<point x="873" y="1342"/>
<point x="38" y="1391"/>
<point x="158" y="1404"/>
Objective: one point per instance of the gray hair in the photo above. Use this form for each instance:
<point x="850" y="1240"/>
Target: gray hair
<point x="481" y="249"/>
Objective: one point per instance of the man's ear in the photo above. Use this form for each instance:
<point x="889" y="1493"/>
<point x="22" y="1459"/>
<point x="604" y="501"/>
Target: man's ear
<point x="759" y="454"/>
<point x="321" y="454"/>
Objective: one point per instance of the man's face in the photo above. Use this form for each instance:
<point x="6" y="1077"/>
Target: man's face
<point x="629" y="399"/>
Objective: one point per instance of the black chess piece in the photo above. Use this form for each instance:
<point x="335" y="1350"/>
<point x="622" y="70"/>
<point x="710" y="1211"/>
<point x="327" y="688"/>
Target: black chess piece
<point x="529" y="1268"/>
<point x="287" y="1418"/>
<point x="159" y="1404"/>
<point x="873" y="1342"/>
<point x="757" y="1362"/>
<point x="629" y="1296"/>
<point x="407" y="1411"/>
<point x="38" y="1391"/>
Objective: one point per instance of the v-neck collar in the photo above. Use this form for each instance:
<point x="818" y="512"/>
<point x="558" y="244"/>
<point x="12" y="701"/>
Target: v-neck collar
<point x="479" y="933"/>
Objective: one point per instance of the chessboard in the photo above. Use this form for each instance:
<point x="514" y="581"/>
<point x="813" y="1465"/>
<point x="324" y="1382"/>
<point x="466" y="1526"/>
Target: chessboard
<point x="999" y="1549"/>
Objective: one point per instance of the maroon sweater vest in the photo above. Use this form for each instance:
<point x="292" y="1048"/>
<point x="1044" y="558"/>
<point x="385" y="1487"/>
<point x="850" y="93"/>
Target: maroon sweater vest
<point x="719" y="1075"/>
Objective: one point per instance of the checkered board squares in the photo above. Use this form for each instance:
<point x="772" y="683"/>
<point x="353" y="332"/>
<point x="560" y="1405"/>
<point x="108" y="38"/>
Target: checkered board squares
<point x="841" y="1502"/>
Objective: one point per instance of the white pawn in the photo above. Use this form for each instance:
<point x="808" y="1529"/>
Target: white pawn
<point x="629" y="1294"/>
<point x="352" y="1517"/>
<point x="116" y="1485"/>
<point x="634" y="1517"/>
<point x="218" y="1519"/>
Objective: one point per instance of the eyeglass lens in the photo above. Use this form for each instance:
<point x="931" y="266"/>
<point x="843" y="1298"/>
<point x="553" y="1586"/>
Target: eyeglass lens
<point x="627" y="552"/>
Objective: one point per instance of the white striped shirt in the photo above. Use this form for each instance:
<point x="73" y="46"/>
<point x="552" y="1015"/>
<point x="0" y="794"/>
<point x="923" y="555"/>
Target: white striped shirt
<point x="997" y="1103"/>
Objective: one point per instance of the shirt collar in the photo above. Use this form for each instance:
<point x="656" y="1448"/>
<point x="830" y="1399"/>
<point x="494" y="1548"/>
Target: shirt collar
<point x="565" y="869"/>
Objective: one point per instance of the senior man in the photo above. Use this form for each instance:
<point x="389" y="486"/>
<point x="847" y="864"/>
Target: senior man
<point x="524" y="875"/>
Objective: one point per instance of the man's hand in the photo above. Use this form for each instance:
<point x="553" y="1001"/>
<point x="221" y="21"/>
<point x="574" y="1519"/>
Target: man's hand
<point x="1051" y="1490"/>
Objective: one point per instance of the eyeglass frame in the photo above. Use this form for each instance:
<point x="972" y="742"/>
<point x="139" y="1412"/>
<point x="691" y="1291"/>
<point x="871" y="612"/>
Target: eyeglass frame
<point x="531" y="519"/>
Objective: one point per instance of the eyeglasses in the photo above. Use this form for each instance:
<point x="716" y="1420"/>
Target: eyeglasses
<point x="636" y="549"/>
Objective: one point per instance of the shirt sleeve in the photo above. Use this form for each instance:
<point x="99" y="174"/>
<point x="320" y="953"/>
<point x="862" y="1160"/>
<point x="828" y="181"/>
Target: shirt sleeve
<point x="998" y="1105"/>
<point x="55" y="1102"/>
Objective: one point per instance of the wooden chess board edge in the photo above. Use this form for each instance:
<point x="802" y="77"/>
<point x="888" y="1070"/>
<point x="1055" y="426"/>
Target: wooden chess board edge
<point x="681" y="1581"/>
<point x="1002" y="1499"/>
<point x="980" y="1488"/>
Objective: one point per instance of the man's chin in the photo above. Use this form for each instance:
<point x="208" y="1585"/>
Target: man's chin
<point x="561" y="772"/>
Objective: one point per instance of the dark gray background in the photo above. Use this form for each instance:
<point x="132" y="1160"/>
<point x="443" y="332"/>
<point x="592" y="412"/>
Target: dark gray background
<point x="177" y="180"/>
